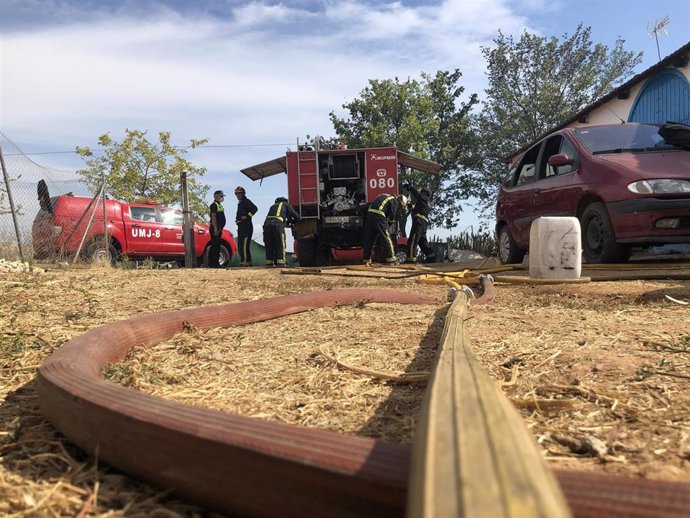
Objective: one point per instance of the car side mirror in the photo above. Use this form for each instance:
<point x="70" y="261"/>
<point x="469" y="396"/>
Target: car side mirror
<point x="559" y="160"/>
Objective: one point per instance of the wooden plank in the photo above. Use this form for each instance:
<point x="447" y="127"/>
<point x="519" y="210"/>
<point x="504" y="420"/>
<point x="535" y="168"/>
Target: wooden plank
<point x="473" y="455"/>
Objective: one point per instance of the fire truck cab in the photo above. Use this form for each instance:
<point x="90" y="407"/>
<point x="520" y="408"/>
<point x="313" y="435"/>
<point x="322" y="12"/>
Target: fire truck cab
<point x="331" y="189"/>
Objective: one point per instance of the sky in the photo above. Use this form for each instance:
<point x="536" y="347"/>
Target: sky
<point x="256" y="76"/>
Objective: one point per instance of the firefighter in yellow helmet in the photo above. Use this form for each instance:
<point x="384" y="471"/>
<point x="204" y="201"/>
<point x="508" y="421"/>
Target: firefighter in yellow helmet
<point x="280" y="214"/>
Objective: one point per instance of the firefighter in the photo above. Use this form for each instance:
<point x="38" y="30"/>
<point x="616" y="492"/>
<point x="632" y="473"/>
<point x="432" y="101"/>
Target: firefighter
<point x="280" y="214"/>
<point x="401" y="217"/>
<point x="380" y="216"/>
<point x="420" y="223"/>
<point x="245" y="228"/>
<point x="217" y="214"/>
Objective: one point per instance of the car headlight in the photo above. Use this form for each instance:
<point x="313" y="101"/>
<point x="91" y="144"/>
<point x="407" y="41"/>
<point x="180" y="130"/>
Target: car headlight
<point x="663" y="186"/>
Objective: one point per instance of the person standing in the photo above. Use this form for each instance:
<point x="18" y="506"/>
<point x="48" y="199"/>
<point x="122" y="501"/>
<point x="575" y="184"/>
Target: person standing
<point x="401" y="217"/>
<point x="217" y="213"/>
<point x="420" y="224"/>
<point x="280" y="214"/>
<point x="381" y="214"/>
<point x="245" y="228"/>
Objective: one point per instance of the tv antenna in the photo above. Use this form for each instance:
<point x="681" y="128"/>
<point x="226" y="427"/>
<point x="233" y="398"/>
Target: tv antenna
<point x="657" y="28"/>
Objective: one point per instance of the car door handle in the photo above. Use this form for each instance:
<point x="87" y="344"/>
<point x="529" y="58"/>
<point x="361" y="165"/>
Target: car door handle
<point x="136" y="225"/>
<point x="536" y="191"/>
<point x="168" y="228"/>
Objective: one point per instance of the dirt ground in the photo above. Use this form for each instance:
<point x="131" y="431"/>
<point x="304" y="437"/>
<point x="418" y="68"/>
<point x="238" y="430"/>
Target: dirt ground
<point x="599" y="371"/>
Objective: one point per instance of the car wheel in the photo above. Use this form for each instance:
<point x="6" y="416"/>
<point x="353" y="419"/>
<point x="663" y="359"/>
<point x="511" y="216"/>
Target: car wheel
<point x="224" y="256"/>
<point x="598" y="237"/>
<point x="508" y="251"/>
<point x="401" y="256"/>
<point x="98" y="252"/>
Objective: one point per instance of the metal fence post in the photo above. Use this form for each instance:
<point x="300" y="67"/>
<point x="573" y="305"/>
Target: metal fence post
<point x="6" y="176"/>
<point x="187" y="224"/>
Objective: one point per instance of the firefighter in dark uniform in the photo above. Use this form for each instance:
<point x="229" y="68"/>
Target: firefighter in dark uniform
<point x="245" y="228"/>
<point x="403" y="213"/>
<point x="217" y="214"/>
<point x="280" y="214"/>
<point x="380" y="216"/>
<point x="420" y="223"/>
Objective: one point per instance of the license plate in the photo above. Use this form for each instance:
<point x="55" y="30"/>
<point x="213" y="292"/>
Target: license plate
<point x="337" y="219"/>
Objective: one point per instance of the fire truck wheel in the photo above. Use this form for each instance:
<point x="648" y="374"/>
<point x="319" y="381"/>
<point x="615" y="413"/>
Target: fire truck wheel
<point x="307" y="252"/>
<point x="97" y="251"/>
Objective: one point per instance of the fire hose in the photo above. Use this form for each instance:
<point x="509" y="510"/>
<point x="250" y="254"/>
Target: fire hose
<point x="258" y="468"/>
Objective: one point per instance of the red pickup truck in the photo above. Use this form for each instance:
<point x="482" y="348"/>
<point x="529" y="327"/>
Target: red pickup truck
<point x="136" y="231"/>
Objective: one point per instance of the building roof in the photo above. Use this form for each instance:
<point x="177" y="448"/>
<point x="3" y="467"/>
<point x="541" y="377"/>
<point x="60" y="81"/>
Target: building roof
<point x="679" y="58"/>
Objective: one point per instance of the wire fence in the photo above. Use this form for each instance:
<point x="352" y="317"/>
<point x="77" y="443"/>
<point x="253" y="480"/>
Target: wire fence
<point x="19" y="201"/>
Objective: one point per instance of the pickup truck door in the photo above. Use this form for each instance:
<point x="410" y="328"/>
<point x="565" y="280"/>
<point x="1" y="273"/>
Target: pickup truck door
<point x="171" y="232"/>
<point x="143" y="231"/>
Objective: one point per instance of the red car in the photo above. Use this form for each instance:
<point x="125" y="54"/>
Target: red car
<point x="135" y="230"/>
<point x="626" y="184"/>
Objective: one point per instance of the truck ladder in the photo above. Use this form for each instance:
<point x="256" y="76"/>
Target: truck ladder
<point x="304" y="166"/>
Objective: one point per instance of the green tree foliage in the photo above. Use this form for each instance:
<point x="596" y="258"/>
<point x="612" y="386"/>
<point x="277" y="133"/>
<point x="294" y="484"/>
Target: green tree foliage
<point x="537" y="83"/>
<point x="423" y="117"/>
<point x="137" y="169"/>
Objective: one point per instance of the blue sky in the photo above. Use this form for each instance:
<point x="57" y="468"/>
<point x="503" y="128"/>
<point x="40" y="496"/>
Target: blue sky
<point x="256" y="76"/>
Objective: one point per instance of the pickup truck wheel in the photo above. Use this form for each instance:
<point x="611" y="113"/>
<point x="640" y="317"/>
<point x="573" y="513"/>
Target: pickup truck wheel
<point x="224" y="257"/>
<point x="99" y="252"/>
<point x="508" y="251"/>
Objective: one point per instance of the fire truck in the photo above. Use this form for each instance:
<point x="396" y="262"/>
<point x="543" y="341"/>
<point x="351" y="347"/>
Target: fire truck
<point x="332" y="189"/>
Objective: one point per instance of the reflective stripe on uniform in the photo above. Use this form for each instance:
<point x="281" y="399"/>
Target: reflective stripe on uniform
<point x="277" y="215"/>
<point x="422" y="217"/>
<point x="383" y="204"/>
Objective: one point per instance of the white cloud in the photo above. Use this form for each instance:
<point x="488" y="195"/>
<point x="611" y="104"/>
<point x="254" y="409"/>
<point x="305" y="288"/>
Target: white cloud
<point x="265" y="73"/>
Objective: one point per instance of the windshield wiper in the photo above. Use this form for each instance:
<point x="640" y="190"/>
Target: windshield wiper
<point x="620" y="150"/>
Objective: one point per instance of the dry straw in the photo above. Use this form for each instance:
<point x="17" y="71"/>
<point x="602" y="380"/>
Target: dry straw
<point x="589" y="365"/>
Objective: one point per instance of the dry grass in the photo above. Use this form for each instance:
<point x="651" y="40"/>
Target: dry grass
<point x="612" y="354"/>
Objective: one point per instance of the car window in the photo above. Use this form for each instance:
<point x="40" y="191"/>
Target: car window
<point x="556" y="145"/>
<point x="567" y="149"/>
<point x="526" y="171"/>
<point x="508" y="179"/>
<point x="171" y="217"/>
<point x="143" y="213"/>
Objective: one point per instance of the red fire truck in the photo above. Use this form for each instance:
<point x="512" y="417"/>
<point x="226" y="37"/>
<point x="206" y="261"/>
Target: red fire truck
<point x="332" y="189"/>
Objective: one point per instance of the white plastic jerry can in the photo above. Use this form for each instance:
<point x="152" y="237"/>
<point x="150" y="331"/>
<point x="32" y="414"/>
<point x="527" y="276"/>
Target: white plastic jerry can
<point x="555" y="248"/>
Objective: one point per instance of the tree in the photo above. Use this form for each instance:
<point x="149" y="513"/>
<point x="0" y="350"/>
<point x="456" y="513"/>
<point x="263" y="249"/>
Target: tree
<point x="423" y="117"/>
<point x="137" y="169"/>
<point x="537" y="83"/>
